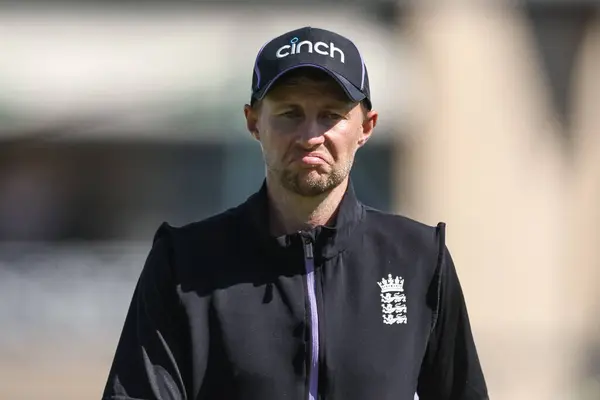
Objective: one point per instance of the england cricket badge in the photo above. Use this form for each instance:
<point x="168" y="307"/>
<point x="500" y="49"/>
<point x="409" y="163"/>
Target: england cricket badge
<point x="393" y="300"/>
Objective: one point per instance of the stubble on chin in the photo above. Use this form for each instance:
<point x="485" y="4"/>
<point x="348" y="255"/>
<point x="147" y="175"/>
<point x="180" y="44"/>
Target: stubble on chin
<point x="309" y="185"/>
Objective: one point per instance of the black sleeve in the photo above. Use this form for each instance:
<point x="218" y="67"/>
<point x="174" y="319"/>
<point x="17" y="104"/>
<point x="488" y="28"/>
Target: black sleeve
<point x="451" y="369"/>
<point x="150" y="360"/>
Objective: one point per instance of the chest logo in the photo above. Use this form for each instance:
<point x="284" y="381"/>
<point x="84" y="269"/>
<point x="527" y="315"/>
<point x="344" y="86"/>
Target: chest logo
<point x="393" y="300"/>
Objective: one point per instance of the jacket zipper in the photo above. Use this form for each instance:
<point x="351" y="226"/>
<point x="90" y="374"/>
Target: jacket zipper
<point x="313" y="373"/>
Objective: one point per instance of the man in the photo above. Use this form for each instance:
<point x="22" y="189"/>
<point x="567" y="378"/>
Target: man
<point x="301" y="292"/>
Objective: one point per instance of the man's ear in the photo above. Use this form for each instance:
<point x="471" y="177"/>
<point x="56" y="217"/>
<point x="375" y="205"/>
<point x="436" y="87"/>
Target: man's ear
<point x="368" y="125"/>
<point x="252" y="120"/>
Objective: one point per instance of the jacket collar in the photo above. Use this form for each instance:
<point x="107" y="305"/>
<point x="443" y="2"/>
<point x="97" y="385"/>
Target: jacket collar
<point x="329" y="241"/>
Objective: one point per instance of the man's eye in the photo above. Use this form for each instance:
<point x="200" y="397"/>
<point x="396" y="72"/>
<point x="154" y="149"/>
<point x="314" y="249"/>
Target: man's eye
<point x="290" y="114"/>
<point x="333" y="116"/>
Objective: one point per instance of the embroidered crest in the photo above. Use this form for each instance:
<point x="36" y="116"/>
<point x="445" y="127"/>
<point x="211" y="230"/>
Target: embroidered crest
<point x="393" y="300"/>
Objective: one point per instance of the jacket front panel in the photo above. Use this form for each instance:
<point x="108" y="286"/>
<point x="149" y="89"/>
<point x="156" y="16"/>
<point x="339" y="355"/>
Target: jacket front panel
<point x="263" y="324"/>
<point x="365" y="357"/>
<point x="263" y="321"/>
<point x="256" y="313"/>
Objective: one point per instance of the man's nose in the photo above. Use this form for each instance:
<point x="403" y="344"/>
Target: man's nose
<point x="311" y="133"/>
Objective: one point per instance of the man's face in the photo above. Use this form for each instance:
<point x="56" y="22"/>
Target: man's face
<point x="309" y="132"/>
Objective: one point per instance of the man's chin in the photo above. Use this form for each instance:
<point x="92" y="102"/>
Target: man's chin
<point x="307" y="186"/>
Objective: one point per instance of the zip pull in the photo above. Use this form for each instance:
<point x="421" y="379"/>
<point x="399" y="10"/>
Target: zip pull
<point x="308" y="248"/>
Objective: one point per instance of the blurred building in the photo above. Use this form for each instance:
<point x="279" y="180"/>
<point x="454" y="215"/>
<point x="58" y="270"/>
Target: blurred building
<point x="114" y="118"/>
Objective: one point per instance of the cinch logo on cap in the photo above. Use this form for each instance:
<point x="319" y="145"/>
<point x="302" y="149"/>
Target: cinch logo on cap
<point x="319" y="47"/>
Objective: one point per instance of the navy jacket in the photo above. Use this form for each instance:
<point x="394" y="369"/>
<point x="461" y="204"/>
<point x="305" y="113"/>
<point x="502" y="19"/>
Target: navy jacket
<point x="368" y="309"/>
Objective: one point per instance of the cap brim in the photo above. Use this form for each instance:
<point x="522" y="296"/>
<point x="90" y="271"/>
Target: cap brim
<point x="351" y="91"/>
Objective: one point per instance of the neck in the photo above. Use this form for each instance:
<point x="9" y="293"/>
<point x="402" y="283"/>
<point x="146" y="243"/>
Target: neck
<point x="290" y="212"/>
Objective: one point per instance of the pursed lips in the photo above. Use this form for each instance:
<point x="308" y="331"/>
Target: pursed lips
<point x="318" y="155"/>
<point x="312" y="158"/>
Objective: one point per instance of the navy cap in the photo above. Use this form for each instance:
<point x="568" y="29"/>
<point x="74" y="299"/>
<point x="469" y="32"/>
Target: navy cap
<point x="317" y="48"/>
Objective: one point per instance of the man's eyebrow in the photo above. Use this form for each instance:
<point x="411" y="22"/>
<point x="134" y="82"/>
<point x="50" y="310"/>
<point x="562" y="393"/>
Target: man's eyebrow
<point x="285" y="104"/>
<point x="340" y="105"/>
